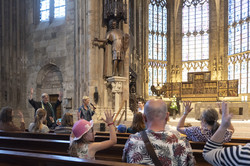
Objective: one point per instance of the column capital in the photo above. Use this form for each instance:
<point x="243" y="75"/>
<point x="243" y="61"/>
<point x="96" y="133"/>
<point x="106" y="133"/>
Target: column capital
<point x="117" y="83"/>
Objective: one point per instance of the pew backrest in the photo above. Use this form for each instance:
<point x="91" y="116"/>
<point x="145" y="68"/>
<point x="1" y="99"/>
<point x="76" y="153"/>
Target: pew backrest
<point x="35" y="135"/>
<point x="26" y="158"/>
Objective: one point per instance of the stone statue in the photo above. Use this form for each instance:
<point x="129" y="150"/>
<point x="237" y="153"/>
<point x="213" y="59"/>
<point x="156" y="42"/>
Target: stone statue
<point x="120" y="43"/>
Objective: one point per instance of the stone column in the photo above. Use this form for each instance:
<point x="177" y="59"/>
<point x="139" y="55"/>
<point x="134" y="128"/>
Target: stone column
<point x="126" y="63"/>
<point x="117" y="88"/>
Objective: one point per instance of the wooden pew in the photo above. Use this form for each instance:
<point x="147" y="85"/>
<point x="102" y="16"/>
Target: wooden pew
<point x="60" y="147"/>
<point x="200" y="145"/>
<point x="46" y="146"/>
<point x="13" y="158"/>
<point x="126" y="135"/>
<point x="240" y="140"/>
<point x="99" y="133"/>
<point x="35" y="135"/>
<point x="55" y="147"/>
<point x="100" y="136"/>
<point x="120" y="140"/>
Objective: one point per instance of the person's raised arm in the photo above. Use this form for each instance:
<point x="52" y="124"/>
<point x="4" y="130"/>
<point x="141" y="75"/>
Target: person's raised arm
<point x="213" y="151"/>
<point x="60" y="96"/>
<point x="20" y="114"/>
<point x="104" y="41"/>
<point x="71" y="138"/>
<point x="180" y="126"/>
<point x="231" y="127"/>
<point x="112" y="138"/>
<point x="225" y="123"/>
<point x="58" y="102"/>
<point x="78" y="115"/>
<point x="31" y="93"/>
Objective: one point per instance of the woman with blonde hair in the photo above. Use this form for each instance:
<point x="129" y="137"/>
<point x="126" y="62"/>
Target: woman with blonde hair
<point x="38" y="126"/>
<point x="137" y="124"/>
<point x="66" y="124"/>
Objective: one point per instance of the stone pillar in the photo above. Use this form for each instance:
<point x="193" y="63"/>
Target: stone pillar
<point x="117" y="88"/>
<point x="126" y="63"/>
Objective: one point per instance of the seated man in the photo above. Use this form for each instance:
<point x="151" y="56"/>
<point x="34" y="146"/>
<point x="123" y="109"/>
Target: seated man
<point x="170" y="148"/>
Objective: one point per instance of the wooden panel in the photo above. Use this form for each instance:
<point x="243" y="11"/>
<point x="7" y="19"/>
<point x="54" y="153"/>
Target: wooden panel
<point x="53" y="98"/>
<point x="200" y="85"/>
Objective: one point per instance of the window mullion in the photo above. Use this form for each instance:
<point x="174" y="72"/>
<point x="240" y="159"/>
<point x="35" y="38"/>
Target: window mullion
<point x="51" y="11"/>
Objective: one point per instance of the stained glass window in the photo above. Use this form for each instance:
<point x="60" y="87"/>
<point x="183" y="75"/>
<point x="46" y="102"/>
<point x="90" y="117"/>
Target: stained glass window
<point x="45" y="8"/>
<point x="238" y="43"/>
<point x="230" y="71"/>
<point x="193" y="67"/>
<point x="59" y="8"/>
<point x="157" y="43"/>
<point x="150" y="76"/>
<point x="248" y="76"/>
<point x="195" y="40"/>
<point x="243" y="77"/>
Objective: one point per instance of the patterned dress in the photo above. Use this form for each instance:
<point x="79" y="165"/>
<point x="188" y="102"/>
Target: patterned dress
<point x="196" y="134"/>
<point x="82" y="152"/>
<point x="171" y="149"/>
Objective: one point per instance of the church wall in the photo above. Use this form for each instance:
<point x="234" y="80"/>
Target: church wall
<point x="96" y="28"/>
<point x="12" y="56"/>
<point x="62" y="52"/>
<point x="50" y="48"/>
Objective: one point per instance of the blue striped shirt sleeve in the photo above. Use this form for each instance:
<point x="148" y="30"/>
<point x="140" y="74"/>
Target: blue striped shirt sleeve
<point x="215" y="154"/>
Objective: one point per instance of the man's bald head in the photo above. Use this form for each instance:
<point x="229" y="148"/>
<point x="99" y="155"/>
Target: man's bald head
<point x="155" y="109"/>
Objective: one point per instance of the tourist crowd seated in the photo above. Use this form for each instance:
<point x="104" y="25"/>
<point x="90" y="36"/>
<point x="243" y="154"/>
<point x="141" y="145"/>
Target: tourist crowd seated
<point x="82" y="134"/>
<point x="38" y="125"/>
<point x="170" y="149"/>
<point x="137" y="123"/>
<point x="209" y="125"/>
<point x="66" y="124"/>
<point x="6" y="120"/>
<point x="215" y="154"/>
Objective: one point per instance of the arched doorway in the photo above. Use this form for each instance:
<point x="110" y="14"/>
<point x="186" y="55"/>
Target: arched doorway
<point x="49" y="80"/>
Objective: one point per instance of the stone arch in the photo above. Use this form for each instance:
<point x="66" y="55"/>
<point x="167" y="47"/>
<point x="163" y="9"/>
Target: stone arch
<point x="49" y="80"/>
<point x="49" y="77"/>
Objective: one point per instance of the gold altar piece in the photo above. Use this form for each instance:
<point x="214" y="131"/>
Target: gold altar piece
<point x="201" y="86"/>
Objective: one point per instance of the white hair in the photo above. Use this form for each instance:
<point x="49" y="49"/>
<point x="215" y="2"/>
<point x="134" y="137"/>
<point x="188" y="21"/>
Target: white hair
<point x="44" y="94"/>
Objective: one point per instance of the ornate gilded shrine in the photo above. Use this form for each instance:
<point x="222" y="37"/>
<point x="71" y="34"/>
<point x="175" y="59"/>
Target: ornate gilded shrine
<point x="200" y="85"/>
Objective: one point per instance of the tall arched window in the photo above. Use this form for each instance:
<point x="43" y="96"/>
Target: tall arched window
<point x="239" y="43"/>
<point x="157" y="43"/>
<point x="50" y="9"/>
<point x="195" y="40"/>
